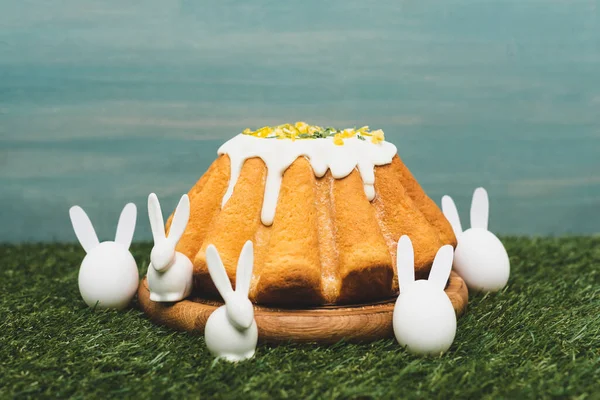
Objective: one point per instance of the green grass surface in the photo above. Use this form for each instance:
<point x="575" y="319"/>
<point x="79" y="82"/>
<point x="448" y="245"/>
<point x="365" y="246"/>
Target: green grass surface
<point x="540" y="337"/>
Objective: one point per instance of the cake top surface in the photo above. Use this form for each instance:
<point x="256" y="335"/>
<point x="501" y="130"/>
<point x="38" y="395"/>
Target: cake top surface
<point x="302" y="130"/>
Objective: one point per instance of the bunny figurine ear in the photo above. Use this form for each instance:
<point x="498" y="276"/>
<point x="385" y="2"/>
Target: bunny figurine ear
<point x="157" y="223"/>
<point x="451" y="214"/>
<point x="126" y="225"/>
<point x="180" y="219"/>
<point x="442" y="265"/>
<point x="245" y="265"/>
<point x="480" y="208"/>
<point x="217" y="272"/>
<point x="405" y="263"/>
<point x="84" y="230"/>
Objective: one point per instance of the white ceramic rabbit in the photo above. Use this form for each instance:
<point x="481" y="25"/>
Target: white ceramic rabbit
<point x="424" y="319"/>
<point x="170" y="272"/>
<point x="108" y="276"/>
<point x="480" y="258"/>
<point x="231" y="331"/>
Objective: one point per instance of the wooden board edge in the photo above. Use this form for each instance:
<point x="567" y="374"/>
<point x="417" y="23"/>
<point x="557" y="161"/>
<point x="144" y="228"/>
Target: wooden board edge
<point x="361" y="323"/>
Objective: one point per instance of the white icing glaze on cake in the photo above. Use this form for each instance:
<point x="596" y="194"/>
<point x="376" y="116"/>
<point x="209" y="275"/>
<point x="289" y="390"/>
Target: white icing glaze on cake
<point x="323" y="154"/>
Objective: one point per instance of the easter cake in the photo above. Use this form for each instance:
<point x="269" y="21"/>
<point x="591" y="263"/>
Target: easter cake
<point x="324" y="208"/>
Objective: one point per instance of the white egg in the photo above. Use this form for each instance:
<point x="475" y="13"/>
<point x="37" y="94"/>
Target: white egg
<point x="108" y="277"/>
<point x="424" y="320"/>
<point x="481" y="260"/>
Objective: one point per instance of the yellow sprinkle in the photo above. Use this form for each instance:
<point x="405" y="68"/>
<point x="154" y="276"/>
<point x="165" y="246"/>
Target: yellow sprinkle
<point x="337" y="140"/>
<point x="290" y="129"/>
<point x="302" y="127"/>
<point x="314" y="129"/>
<point x="247" y="131"/>
<point x="347" y="133"/>
<point x="279" y="133"/>
<point x="377" y="136"/>
<point x="264" y="131"/>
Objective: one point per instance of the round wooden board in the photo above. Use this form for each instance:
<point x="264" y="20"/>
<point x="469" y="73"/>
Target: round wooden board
<point x="330" y="324"/>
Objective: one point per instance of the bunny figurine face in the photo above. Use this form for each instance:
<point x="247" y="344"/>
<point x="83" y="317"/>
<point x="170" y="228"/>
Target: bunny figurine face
<point x="424" y="320"/>
<point x="231" y="332"/>
<point x="162" y="254"/>
<point x="240" y="310"/>
<point x="108" y="276"/>
<point x="480" y="258"/>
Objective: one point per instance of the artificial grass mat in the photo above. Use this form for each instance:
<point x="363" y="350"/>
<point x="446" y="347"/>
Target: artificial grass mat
<point x="539" y="337"/>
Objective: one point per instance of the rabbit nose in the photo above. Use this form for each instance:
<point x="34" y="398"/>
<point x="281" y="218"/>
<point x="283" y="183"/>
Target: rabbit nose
<point x="242" y="315"/>
<point x="159" y="259"/>
<point x="246" y="321"/>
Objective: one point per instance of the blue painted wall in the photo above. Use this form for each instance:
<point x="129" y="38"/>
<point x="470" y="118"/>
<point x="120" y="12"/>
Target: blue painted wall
<point x="103" y="102"/>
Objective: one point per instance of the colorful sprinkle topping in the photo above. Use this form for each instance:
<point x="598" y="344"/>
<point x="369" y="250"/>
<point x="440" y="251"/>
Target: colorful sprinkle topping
<point x="301" y="130"/>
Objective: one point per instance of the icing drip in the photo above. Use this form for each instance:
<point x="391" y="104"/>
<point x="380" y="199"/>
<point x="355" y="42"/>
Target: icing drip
<point x="323" y="155"/>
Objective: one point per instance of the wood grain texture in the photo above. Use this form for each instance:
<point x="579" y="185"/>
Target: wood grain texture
<point x="325" y="325"/>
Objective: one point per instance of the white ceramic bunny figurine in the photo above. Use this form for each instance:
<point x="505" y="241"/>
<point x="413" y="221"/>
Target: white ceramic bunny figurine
<point x="170" y="272"/>
<point x="231" y="331"/>
<point x="108" y="276"/>
<point x="424" y="319"/>
<point x="480" y="258"/>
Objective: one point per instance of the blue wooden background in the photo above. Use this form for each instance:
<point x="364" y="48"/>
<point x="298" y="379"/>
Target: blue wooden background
<point x="103" y="102"/>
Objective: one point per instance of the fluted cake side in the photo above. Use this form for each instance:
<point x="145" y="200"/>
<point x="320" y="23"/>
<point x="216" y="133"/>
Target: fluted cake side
<point x="327" y="244"/>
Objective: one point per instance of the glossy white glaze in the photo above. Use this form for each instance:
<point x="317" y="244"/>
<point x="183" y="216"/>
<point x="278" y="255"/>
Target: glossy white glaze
<point x="323" y="155"/>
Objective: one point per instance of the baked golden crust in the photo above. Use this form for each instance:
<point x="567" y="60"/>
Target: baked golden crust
<point x="293" y="243"/>
<point x="430" y="210"/>
<point x="364" y="262"/>
<point x="328" y="243"/>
